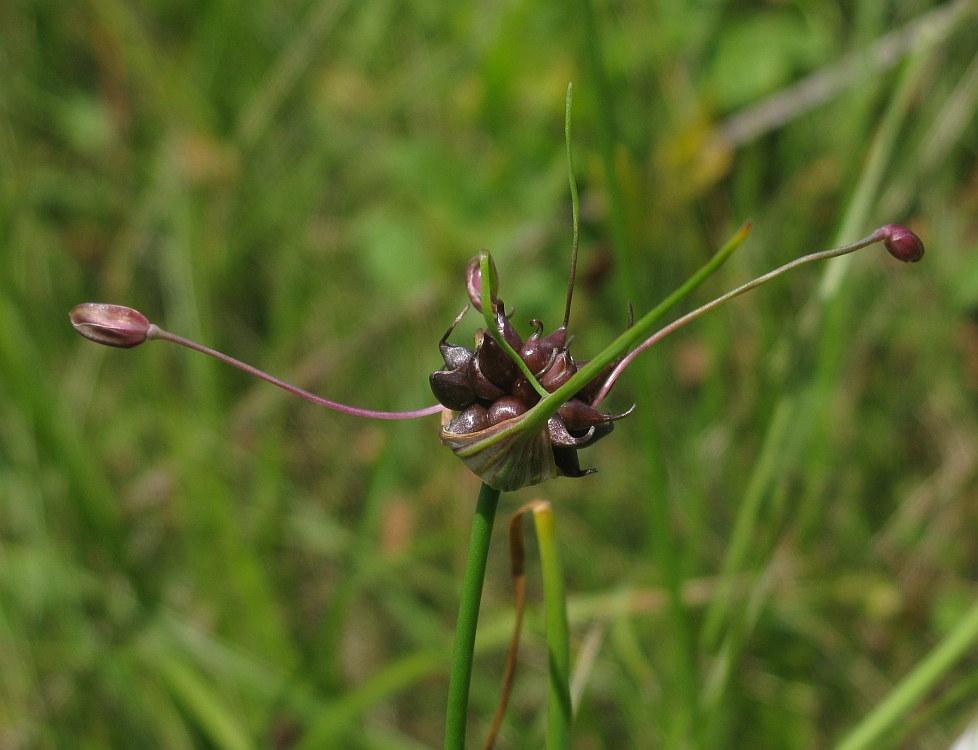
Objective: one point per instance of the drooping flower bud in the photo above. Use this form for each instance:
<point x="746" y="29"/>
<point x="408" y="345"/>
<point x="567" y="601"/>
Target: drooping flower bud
<point x="901" y="243"/>
<point x="112" y="325"/>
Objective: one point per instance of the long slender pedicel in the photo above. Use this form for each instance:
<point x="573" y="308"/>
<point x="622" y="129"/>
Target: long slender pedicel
<point x="123" y="327"/>
<point x="155" y="332"/>
<point x="899" y="241"/>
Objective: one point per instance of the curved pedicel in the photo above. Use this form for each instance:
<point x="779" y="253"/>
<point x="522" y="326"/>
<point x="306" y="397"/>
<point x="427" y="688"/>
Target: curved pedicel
<point x="123" y="327"/>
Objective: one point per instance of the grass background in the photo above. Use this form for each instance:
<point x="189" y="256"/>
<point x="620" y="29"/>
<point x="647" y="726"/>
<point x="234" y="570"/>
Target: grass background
<point x="192" y="559"/>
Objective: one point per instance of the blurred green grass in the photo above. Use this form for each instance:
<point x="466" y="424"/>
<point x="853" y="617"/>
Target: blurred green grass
<point x="190" y="559"/>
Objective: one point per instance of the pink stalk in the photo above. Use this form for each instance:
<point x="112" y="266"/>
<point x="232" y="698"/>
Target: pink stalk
<point x="123" y="327"/>
<point x="899" y="241"/>
<point x="155" y="332"/>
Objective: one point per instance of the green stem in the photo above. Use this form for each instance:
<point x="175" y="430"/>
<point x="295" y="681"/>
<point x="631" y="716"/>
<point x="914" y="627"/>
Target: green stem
<point x="460" y="675"/>
<point x="558" y="638"/>
<point x="915" y="685"/>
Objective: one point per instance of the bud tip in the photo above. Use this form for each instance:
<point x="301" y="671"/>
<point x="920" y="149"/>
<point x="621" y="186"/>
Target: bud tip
<point x="473" y="282"/>
<point x="901" y="243"/>
<point x="112" y="325"/>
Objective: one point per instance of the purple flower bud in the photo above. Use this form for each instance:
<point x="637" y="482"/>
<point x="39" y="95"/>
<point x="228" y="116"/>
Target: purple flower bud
<point x="901" y="243"/>
<point x="473" y="282"/>
<point x="112" y="325"/>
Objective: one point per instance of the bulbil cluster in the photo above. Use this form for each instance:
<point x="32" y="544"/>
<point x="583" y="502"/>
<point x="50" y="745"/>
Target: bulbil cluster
<point x="486" y="387"/>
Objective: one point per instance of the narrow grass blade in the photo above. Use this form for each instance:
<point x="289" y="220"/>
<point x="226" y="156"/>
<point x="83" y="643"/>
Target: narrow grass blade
<point x="558" y="641"/>
<point x="199" y="700"/>
<point x="746" y="522"/>
<point x="558" y="638"/>
<point x="915" y="685"/>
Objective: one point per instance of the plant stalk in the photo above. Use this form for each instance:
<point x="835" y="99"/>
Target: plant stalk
<point x="460" y="675"/>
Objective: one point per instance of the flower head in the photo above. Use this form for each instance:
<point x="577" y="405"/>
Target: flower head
<point x="493" y="386"/>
